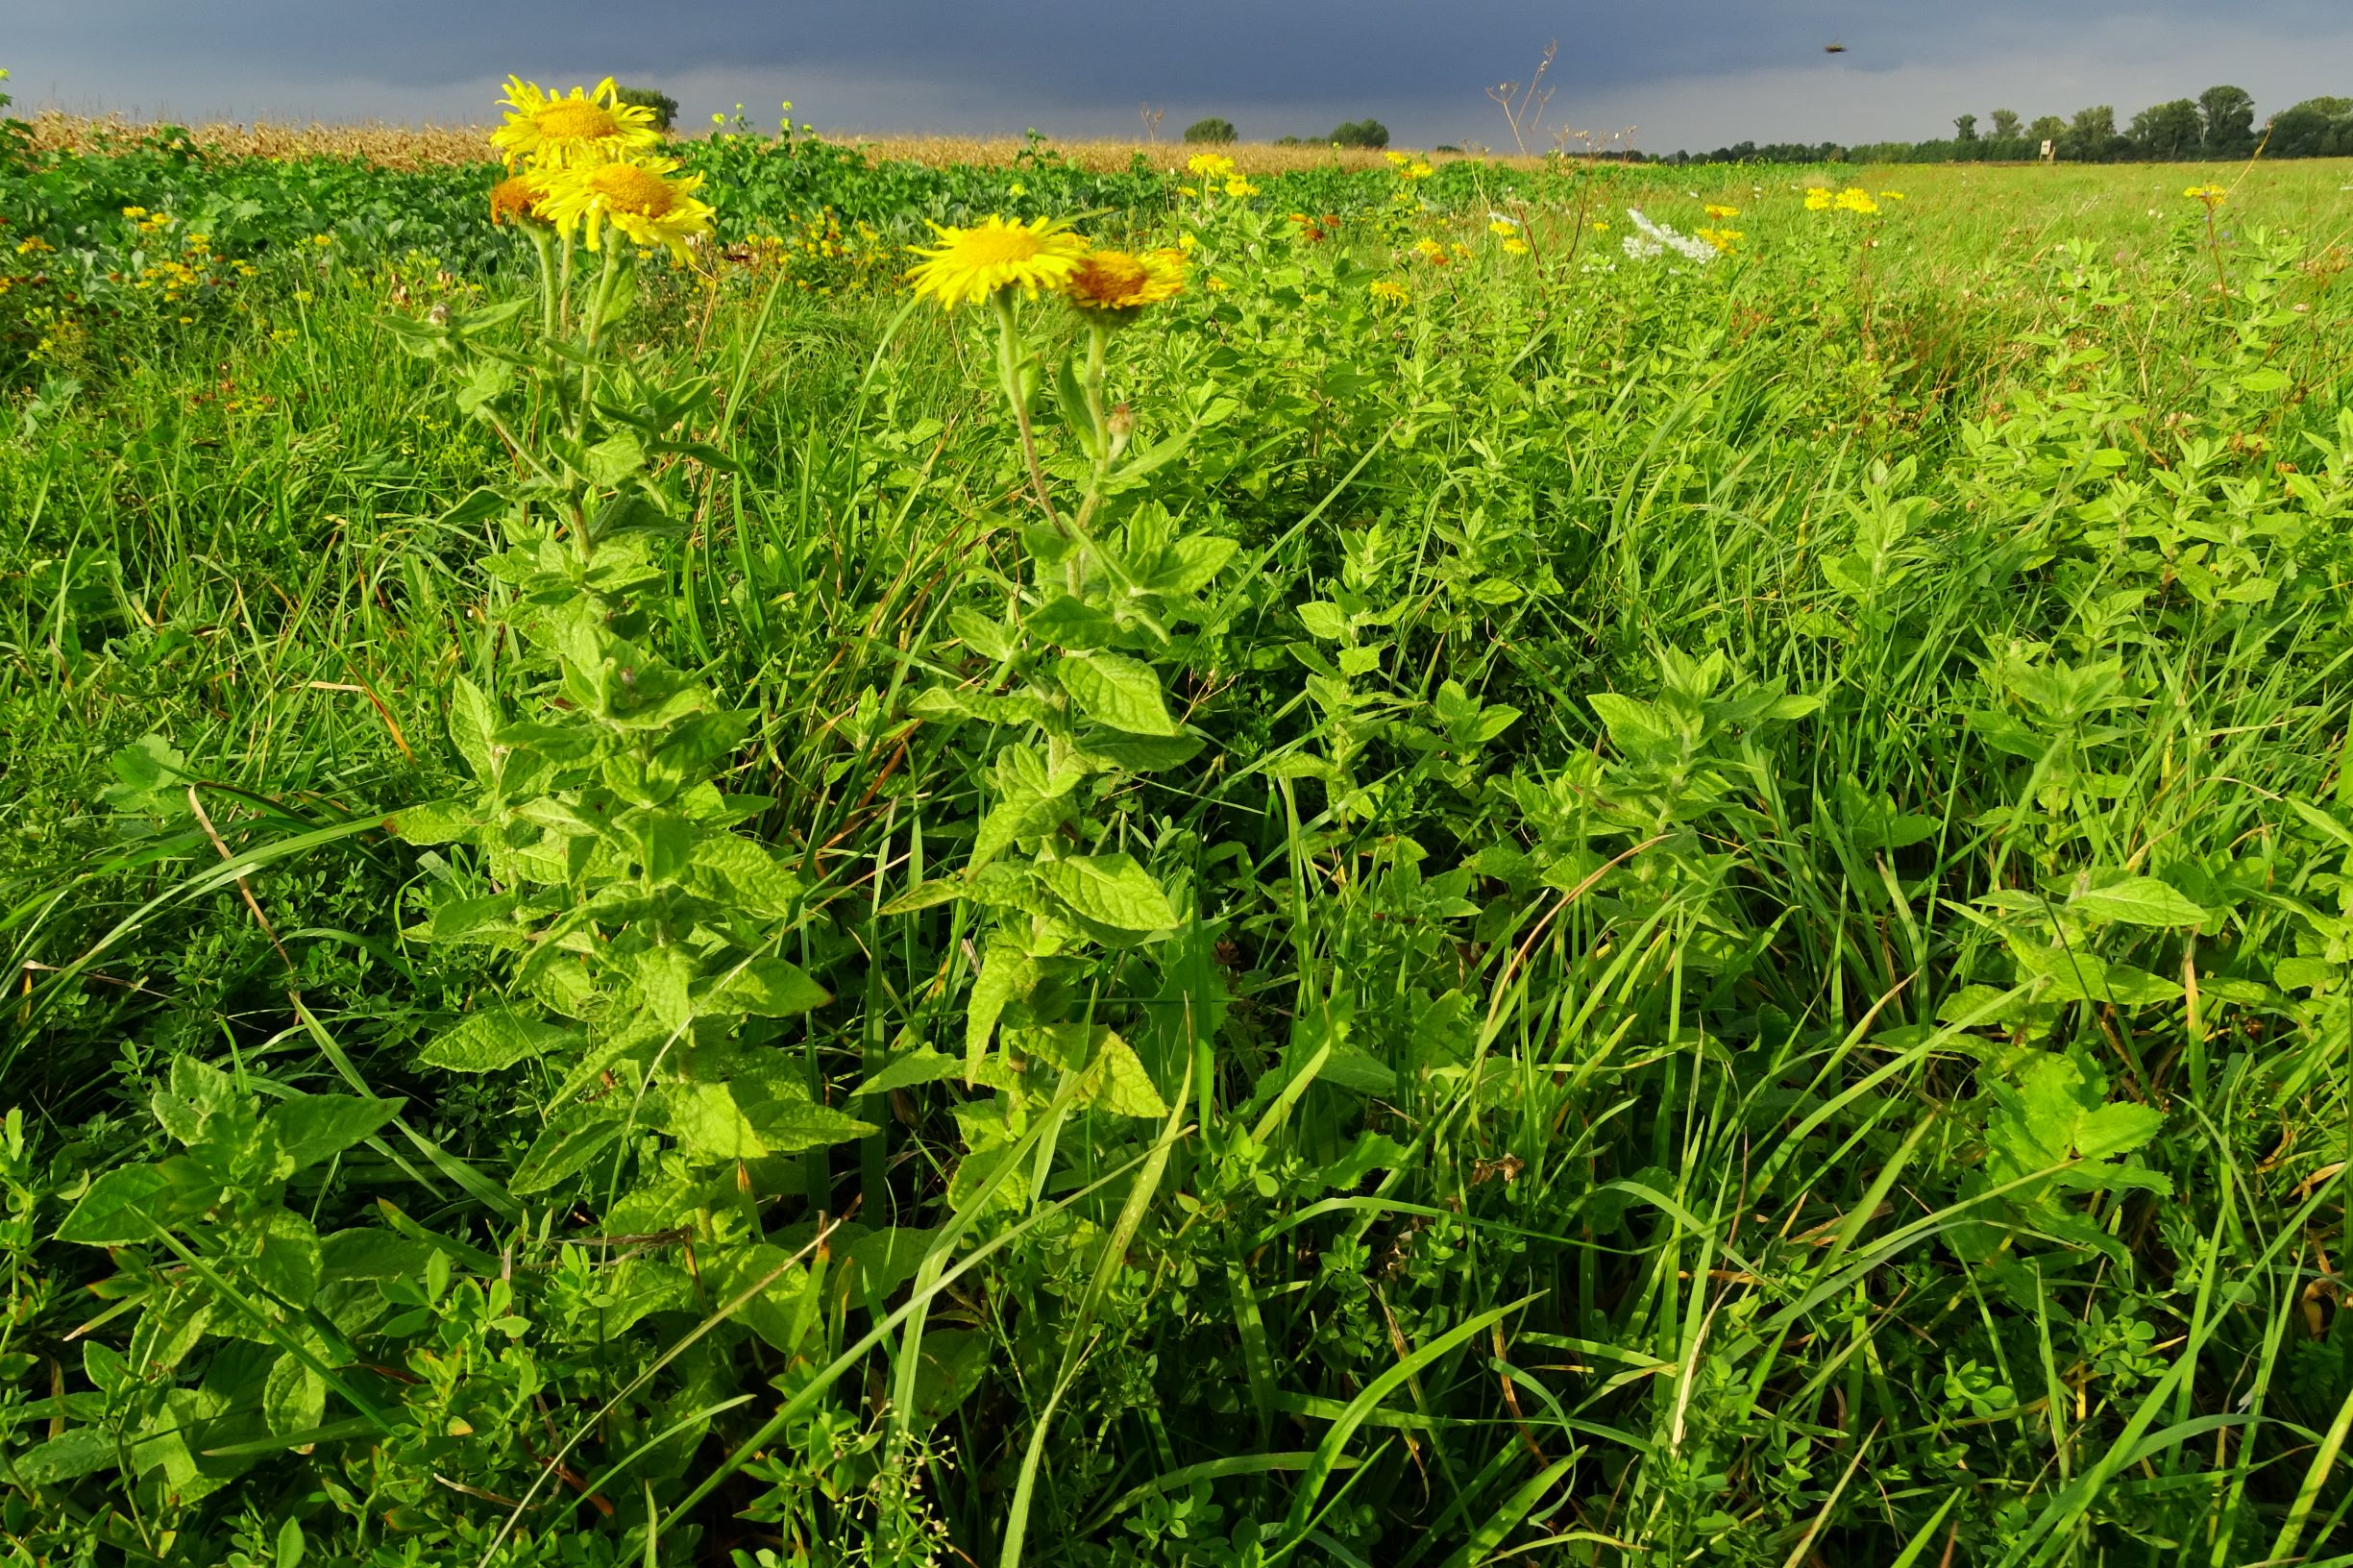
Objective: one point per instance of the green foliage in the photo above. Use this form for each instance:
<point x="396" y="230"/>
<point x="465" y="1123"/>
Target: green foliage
<point x="665" y="108"/>
<point x="1592" y="899"/>
<point x="1366" y="133"/>
<point x="1210" y="129"/>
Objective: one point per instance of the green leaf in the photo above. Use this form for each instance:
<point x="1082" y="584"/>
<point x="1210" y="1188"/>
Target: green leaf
<point x="289" y="1262"/>
<point x="1111" y="889"/>
<point x="573" y="1137"/>
<point x="115" y="1210"/>
<point x="81" y="1452"/>
<point x="923" y="896"/>
<point x="435" y="821"/>
<point x="768" y="986"/>
<point x="1323" y="619"/>
<point x="313" y="1127"/>
<point x="712" y="1125"/>
<point x="1006" y="973"/>
<point x="921" y="1065"/>
<point x="1066" y="622"/>
<point x="951" y="1365"/>
<point x="614" y="458"/>
<point x="488" y="1040"/>
<point x="2139" y="900"/>
<point x="196" y="1093"/>
<point x="1117" y="1083"/>
<point x="1115" y="690"/>
<point x="752" y="879"/>
<point x="294" y="1399"/>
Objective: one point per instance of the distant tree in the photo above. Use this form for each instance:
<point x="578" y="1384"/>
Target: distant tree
<point x="2228" y="116"/>
<point x="665" y="108"/>
<point x="1291" y="141"/>
<point x="2006" y="124"/>
<point x="1362" y="134"/>
<point x="1210" y="128"/>
<point x="2309" y="129"/>
<point x="1965" y="127"/>
<point x="2089" y="137"/>
<point x="2168" y="130"/>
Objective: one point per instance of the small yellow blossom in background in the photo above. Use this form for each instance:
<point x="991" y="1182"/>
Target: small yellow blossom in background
<point x="1209" y="165"/>
<point x="1462" y="249"/>
<point x="1601" y="226"/>
<point x="1818" y="198"/>
<point x="1416" y="170"/>
<point x="1389" y="291"/>
<point x="1187" y="241"/>
<point x="1854" y="199"/>
<point x="33" y="245"/>
<point x="1397" y="159"/>
<point x="134" y="211"/>
<point x="637" y="199"/>
<point x="1430" y="250"/>
<point x="1721" y="239"/>
<point x="1218" y="285"/>
<point x="322" y="239"/>
<point x="1189" y="191"/>
<point x="1719" y="211"/>
<point x="968" y="265"/>
<point x="1111" y="286"/>
<point x="285" y="334"/>
<point x="2212" y="195"/>
<point x="1017" y="188"/>
<point x="1515" y="246"/>
<point x="582" y="129"/>
<point x="1238" y="187"/>
<point x="1891" y="195"/>
<point x="1501" y="228"/>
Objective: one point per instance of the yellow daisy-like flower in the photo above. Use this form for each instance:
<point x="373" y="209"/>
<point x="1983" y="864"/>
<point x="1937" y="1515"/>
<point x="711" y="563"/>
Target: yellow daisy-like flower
<point x="1719" y="211"/>
<point x="1209" y="165"/>
<point x="582" y="129"/>
<point x="1891" y="195"/>
<point x="1722" y="240"/>
<point x="1187" y="240"/>
<point x="1818" y="198"/>
<point x="1854" y="199"/>
<point x="1515" y="246"/>
<point x="1238" y="187"/>
<point x="1397" y="159"/>
<point x="638" y="199"/>
<point x="1390" y="292"/>
<point x="968" y="265"/>
<point x="1501" y="228"/>
<point x="1113" y="286"/>
<point x="1601" y="226"/>
<point x="2211" y="195"/>
<point x="517" y="198"/>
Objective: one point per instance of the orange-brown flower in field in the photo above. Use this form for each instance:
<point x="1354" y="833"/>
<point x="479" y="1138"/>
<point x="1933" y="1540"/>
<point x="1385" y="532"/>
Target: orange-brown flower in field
<point x="583" y="129"/>
<point x="516" y="199"/>
<point x="969" y="266"/>
<point x="1113" y="286"/>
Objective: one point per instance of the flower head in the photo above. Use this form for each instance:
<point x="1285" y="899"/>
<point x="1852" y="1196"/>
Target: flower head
<point x="1209" y="165"/>
<point x="968" y="265"/>
<point x="1722" y="239"/>
<point x="1501" y="228"/>
<point x="517" y="197"/>
<point x="1855" y="199"/>
<point x="1719" y="211"/>
<point x="1517" y="246"/>
<point x="1390" y="292"/>
<point x="582" y="129"/>
<point x="1113" y="286"/>
<point x="1818" y="198"/>
<point x="2212" y="196"/>
<point x="640" y="200"/>
<point x="1238" y="187"/>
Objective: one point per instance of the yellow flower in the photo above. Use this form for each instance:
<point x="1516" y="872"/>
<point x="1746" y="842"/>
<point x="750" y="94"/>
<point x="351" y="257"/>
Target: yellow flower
<point x="1818" y="198"/>
<point x="1722" y="239"/>
<point x="518" y="196"/>
<point x="1189" y="191"/>
<point x="1187" y="241"/>
<point x="582" y="129"/>
<point x="322" y="239"/>
<point x="1430" y="248"/>
<point x="1502" y="227"/>
<point x="1240" y="187"/>
<point x="1389" y="291"/>
<point x="2211" y="195"/>
<point x="637" y="199"/>
<point x="1113" y="285"/>
<point x="1218" y="285"/>
<point x="134" y="211"/>
<point x="1397" y="159"/>
<point x="1854" y="199"/>
<point x="1891" y="195"/>
<point x="1017" y="188"/>
<point x="1209" y="165"/>
<point x="1415" y="170"/>
<point x="1515" y="246"/>
<point x="1719" y="211"/>
<point x="1601" y="226"/>
<point x="969" y="266"/>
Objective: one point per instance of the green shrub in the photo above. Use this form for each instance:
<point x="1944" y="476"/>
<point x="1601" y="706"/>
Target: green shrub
<point x="665" y="108"/>
<point x="1210" y="128"/>
<point x="1366" y="133"/>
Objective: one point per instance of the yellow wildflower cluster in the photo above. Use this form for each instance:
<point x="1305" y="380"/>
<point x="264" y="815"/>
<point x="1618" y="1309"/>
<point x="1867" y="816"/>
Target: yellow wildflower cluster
<point x="584" y="162"/>
<point x="1409" y="167"/>
<point x="2212" y="196"/>
<point x="1209" y="165"/>
<point x="1852" y="199"/>
<point x="1390" y="292"/>
<point x="817" y="252"/>
<point x="1719" y="212"/>
<point x="1722" y="240"/>
<point x="991" y="260"/>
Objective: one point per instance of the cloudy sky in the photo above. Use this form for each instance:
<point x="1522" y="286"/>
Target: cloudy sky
<point x="1691" y="73"/>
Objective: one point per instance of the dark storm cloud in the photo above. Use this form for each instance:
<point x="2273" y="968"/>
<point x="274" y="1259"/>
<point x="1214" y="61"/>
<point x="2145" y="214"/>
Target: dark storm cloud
<point x="1077" y="65"/>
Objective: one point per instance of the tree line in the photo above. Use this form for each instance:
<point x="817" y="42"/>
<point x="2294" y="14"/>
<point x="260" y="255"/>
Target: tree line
<point x="2218" y="123"/>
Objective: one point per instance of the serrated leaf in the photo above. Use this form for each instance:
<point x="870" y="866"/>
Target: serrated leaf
<point x="2139" y="901"/>
<point x="114" y="1212"/>
<point x="1116" y="1082"/>
<point x="435" y="821"/>
<point x="473" y="721"/>
<point x="921" y="1065"/>
<point x="1323" y="619"/>
<point x="768" y="986"/>
<point x="313" y="1127"/>
<point x="490" y="1040"/>
<point x="1006" y="973"/>
<point x="286" y="1259"/>
<point x="1111" y="889"/>
<point x="1071" y="623"/>
<point x="1117" y="691"/>
<point x="573" y="1137"/>
<point x="194" y="1093"/>
<point x="293" y="1397"/>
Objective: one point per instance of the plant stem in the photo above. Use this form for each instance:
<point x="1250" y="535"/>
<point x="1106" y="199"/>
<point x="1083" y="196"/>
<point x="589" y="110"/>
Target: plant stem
<point x="1009" y="356"/>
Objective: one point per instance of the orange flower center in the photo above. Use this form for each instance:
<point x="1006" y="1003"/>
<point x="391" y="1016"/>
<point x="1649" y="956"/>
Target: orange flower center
<point x="576" y="118"/>
<point x="627" y="189"/>
<point x="516" y="197"/>
<point x="1111" y="279"/>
